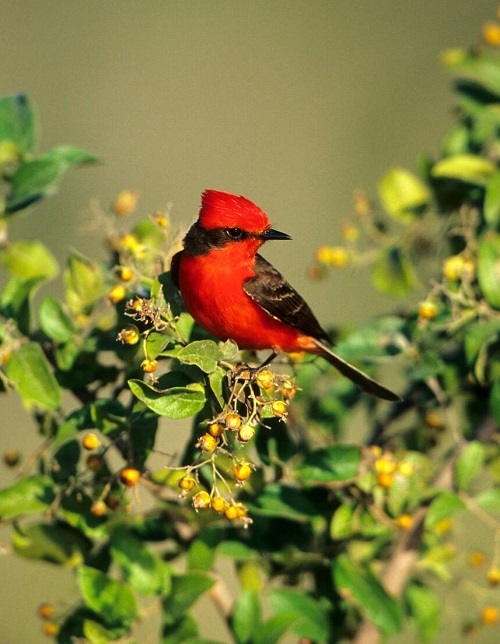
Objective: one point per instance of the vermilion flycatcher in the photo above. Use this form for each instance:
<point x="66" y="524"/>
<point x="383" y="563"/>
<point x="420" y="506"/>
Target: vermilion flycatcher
<point x="233" y="292"/>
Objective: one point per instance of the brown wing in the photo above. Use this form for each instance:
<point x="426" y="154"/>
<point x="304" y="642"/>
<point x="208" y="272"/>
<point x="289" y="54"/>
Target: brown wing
<point x="270" y="290"/>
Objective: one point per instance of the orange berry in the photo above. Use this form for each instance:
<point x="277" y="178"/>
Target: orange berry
<point x="149" y="366"/>
<point x="246" y="433"/>
<point x="386" y="480"/>
<point x="490" y="615"/>
<point x="99" y="509"/>
<point x="265" y="379"/>
<point x="404" y="521"/>
<point x="129" y="335"/>
<point x="218" y="504"/>
<point x="51" y="629"/>
<point x="187" y="483"/>
<point x="12" y="457"/>
<point x="477" y="559"/>
<point x="288" y="390"/>
<point x="207" y="443"/>
<point x="241" y="510"/>
<point x="201" y="500"/>
<point x="90" y="442"/>
<point x="135" y="305"/>
<point x="434" y="420"/>
<point x="216" y="429"/>
<point x="160" y="219"/>
<point x="278" y="408"/>
<point x="130" y="476"/>
<point x="46" y="610"/>
<point x="117" y="293"/>
<point x="242" y="471"/>
<point x="125" y="202"/>
<point x="233" y="421"/>
<point x="491" y="34"/>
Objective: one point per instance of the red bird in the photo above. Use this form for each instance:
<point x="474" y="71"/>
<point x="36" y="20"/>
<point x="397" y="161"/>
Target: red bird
<point x="233" y="292"/>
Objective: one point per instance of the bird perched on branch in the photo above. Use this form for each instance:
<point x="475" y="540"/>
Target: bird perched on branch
<point x="233" y="292"/>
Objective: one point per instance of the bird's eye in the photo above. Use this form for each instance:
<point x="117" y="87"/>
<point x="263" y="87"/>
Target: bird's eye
<point x="234" y="233"/>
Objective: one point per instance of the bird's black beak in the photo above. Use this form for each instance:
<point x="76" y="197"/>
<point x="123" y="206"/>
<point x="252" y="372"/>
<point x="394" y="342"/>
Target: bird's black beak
<point x="270" y="233"/>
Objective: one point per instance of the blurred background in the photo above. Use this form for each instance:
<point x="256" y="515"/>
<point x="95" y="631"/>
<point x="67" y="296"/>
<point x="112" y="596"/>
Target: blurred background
<point x="293" y="104"/>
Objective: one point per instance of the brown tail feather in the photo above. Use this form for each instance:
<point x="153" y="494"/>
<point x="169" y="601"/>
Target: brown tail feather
<point x="358" y="377"/>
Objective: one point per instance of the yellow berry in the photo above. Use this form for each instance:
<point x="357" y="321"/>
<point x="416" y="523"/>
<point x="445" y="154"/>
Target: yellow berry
<point x="160" y="219"/>
<point x="125" y="273"/>
<point x="434" y="420"/>
<point x="490" y="615"/>
<point x="231" y="512"/>
<point x="216" y="429"/>
<point x="117" y="293"/>
<point x="233" y="421"/>
<point x="362" y="206"/>
<point x="187" y="483"/>
<point x="444" y="526"/>
<point x="350" y="233"/>
<point x="218" y="504"/>
<point x="493" y="576"/>
<point x="241" y="510"/>
<point x="46" y="610"/>
<point x="491" y="34"/>
<point x="405" y="468"/>
<point x="149" y="366"/>
<point x="130" y="476"/>
<point x="288" y="390"/>
<point x="207" y="443"/>
<point x="135" y="305"/>
<point x="278" y="408"/>
<point x="130" y="243"/>
<point x="427" y="310"/>
<point x="99" y="509"/>
<point x="129" y="335"/>
<point x="201" y="500"/>
<point x="242" y="471"/>
<point x="336" y="256"/>
<point x="265" y="379"/>
<point x="384" y="465"/>
<point x="404" y="521"/>
<point x="125" y="202"/>
<point x="385" y="480"/>
<point x="246" y="433"/>
<point x="90" y="442"/>
<point x="376" y="450"/>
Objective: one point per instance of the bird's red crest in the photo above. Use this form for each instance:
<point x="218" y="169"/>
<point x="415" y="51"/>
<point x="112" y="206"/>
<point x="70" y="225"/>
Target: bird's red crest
<point x="224" y="210"/>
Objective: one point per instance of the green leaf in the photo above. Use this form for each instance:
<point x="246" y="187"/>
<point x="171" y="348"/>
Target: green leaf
<point x="342" y="524"/>
<point x="140" y="567"/>
<point x="272" y="629"/>
<point x="475" y="65"/>
<point x="201" y="553"/>
<point x="17" y="122"/>
<point x="368" y="594"/>
<point x="392" y="272"/>
<point x="95" y="633"/>
<point x="403" y="195"/>
<point x="310" y="617"/>
<point x="425" y="609"/>
<point x="30" y="494"/>
<point x="29" y="259"/>
<point x="84" y="283"/>
<point x="53" y="320"/>
<point x="16" y="301"/>
<point x="464" y="167"/>
<point x="488" y="269"/>
<point x="155" y="343"/>
<point x="335" y="463"/>
<point x="492" y="201"/>
<point x="489" y="499"/>
<point x="176" y="403"/>
<point x="30" y="372"/>
<point x="203" y="353"/>
<point x="377" y="338"/>
<point x="246" y="615"/>
<point x="114" y="602"/>
<point x="56" y="543"/>
<point x="469" y="464"/>
<point x="494" y="402"/>
<point x="443" y="507"/>
<point x="285" y="502"/>
<point x="185" y="591"/>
